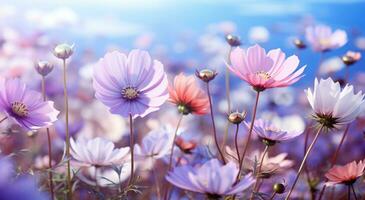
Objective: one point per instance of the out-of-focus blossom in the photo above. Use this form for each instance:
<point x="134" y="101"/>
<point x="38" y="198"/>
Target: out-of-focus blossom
<point x="26" y="106"/>
<point x="299" y="43"/>
<point x="97" y="152"/>
<point x="44" y="68"/>
<point x="185" y="146"/>
<point x="74" y="127"/>
<point x="133" y="85"/>
<point x="212" y="179"/>
<point x="106" y="177"/>
<point x="270" y="134"/>
<point x="23" y="187"/>
<point x="187" y="96"/>
<point x="263" y="70"/>
<point x="360" y="43"/>
<point x="63" y="51"/>
<point x="332" y="106"/>
<point x="322" y="38"/>
<point x="331" y="65"/>
<point x="351" y="57"/>
<point x="258" y="34"/>
<point x="41" y="162"/>
<point x="346" y="174"/>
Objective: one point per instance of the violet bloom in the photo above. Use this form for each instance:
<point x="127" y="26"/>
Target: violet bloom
<point x="26" y="106"/>
<point x="135" y="85"/>
<point x="323" y="39"/>
<point x="212" y="178"/>
<point x="269" y="133"/>
<point x="263" y="70"/>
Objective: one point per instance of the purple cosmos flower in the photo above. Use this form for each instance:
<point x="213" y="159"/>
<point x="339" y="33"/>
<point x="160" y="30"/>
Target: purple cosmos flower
<point x="270" y="134"/>
<point x="26" y="106"/>
<point x="212" y="178"/>
<point x="135" y="85"/>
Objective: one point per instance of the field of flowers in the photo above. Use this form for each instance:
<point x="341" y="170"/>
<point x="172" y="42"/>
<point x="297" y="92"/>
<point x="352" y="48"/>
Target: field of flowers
<point x="218" y="116"/>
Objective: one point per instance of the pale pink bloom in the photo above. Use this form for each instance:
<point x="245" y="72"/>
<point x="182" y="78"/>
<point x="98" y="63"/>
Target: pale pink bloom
<point x="345" y="174"/>
<point x="263" y="70"/>
<point x="322" y="38"/>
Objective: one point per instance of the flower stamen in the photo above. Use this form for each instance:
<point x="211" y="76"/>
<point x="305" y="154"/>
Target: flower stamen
<point x="19" y="109"/>
<point x="263" y="74"/>
<point x="130" y="93"/>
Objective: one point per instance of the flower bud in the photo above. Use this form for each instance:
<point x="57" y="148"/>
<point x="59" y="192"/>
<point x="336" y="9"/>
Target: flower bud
<point x="206" y="75"/>
<point x="183" y="109"/>
<point x="299" y="43"/>
<point x="279" y="188"/>
<point x="236" y="117"/>
<point x="351" y="58"/>
<point x="233" y="40"/>
<point x="44" y="68"/>
<point x="63" y="51"/>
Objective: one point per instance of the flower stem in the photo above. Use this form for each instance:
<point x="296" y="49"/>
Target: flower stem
<point x="228" y="95"/>
<point x="213" y="123"/>
<point x="353" y="190"/>
<point x="348" y="192"/>
<point x="303" y="162"/>
<point x="236" y="143"/>
<point x="50" y="178"/>
<point x="249" y="134"/>
<point x="173" y="143"/>
<point x="306" y="170"/>
<point x="69" y="186"/>
<point x="334" y="158"/>
<point x="3" y="119"/>
<point x="255" y="187"/>
<point x="131" y="146"/>
<point x="272" y="196"/>
<point x="96" y="179"/>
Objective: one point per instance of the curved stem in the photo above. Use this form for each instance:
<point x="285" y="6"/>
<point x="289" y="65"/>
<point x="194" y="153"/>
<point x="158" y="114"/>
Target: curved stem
<point x="272" y="196"/>
<point x="50" y="178"/>
<point x="131" y="146"/>
<point x="353" y="190"/>
<point x="255" y="189"/>
<point x="236" y="143"/>
<point x="334" y="158"/>
<point x="173" y="143"/>
<point x="249" y="134"/>
<point x="3" y="119"/>
<point x="213" y="123"/>
<point x="69" y="186"/>
<point x="303" y="162"/>
<point x="306" y="170"/>
<point x="228" y="95"/>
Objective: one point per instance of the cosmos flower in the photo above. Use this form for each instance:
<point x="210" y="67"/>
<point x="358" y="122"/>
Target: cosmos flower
<point x="135" y="85"/>
<point x="212" y="178"/>
<point x="97" y="152"/>
<point x="346" y="174"/>
<point x="321" y="38"/>
<point x="332" y="106"/>
<point x="26" y="106"/>
<point x="270" y="133"/>
<point x="263" y="70"/>
<point x="189" y="98"/>
<point x="184" y="145"/>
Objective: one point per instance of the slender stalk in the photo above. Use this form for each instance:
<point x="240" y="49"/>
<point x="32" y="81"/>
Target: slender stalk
<point x="236" y="143"/>
<point x="214" y="130"/>
<point x="69" y="186"/>
<point x="131" y="146"/>
<point x="249" y="134"/>
<point x="3" y="119"/>
<point x="50" y="178"/>
<point x="348" y="192"/>
<point x="303" y="162"/>
<point x="321" y="56"/>
<point x="255" y="187"/>
<point x="353" y="190"/>
<point x="173" y="142"/>
<point x="228" y="95"/>
<point x="347" y="73"/>
<point x="272" y="196"/>
<point x="334" y="158"/>
<point x="96" y="179"/>
<point x="158" y="193"/>
<point x="306" y="170"/>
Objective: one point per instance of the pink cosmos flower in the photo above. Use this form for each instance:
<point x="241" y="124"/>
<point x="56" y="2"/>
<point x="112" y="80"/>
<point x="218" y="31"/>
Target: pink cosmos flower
<point x="26" y="106"/>
<point x="130" y="85"/>
<point x="346" y="174"/>
<point x="212" y="178"/>
<point x="323" y="39"/>
<point x="263" y="70"/>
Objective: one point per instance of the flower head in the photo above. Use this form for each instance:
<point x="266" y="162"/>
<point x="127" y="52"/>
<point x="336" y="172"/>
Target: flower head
<point x="63" y="51"/>
<point x="189" y="98"/>
<point x="233" y="40"/>
<point x="212" y="178"/>
<point x="270" y="133"/>
<point x="263" y="70"/>
<point x="299" y="43"/>
<point x="206" y="75"/>
<point x="351" y="58"/>
<point x="323" y="39"/>
<point x="332" y="106"/>
<point x="44" y="68"/>
<point x="135" y="85"/>
<point x="97" y="152"/>
<point x="237" y="117"/>
<point x="346" y="174"/>
<point x="26" y="106"/>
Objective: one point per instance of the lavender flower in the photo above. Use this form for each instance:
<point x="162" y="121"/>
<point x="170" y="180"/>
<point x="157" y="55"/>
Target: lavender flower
<point x="25" y="106"/>
<point x="212" y="178"/>
<point x="133" y="85"/>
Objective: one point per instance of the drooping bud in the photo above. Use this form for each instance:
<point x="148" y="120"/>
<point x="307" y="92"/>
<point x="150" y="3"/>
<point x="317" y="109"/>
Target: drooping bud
<point x="279" y="188"/>
<point x="236" y="117"/>
<point x="206" y="75"/>
<point x="299" y="43"/>
<point x="63" y="51"/>
<point x="233" y="40"/>
<point x="43" y="67"/>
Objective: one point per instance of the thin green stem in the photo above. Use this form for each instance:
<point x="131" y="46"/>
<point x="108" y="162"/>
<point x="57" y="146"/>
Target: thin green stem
<point x="131" y="146"/>
<point x="303" y="162"/>
<point x="255" y="187"/>
<point x="228" y="94"/>
<point x="236" y="143"/>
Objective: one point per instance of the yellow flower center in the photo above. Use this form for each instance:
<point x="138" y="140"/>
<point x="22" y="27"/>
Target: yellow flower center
<point x="263" y="75"/>
<point x="19" y="109"/>
<point x="130" y="93"/>
<point x="324" y="41"/>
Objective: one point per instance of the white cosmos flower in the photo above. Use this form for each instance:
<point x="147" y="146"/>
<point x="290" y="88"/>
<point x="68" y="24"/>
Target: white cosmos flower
<point x="97" y="152"/>
<point x="332" y="106"/>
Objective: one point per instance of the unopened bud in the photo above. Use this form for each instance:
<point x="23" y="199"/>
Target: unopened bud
<point x="279" y="188"/>
<point x="233" y="40"/>
<point x="299" y="43"/>
<point x="44" y="68"/>
<point x="236" y="117"/>
<point x="206" y="75"/>
<point x="63" y="51"/>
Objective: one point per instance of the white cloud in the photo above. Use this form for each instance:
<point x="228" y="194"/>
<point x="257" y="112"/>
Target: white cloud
<point x="267" y="8"/>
